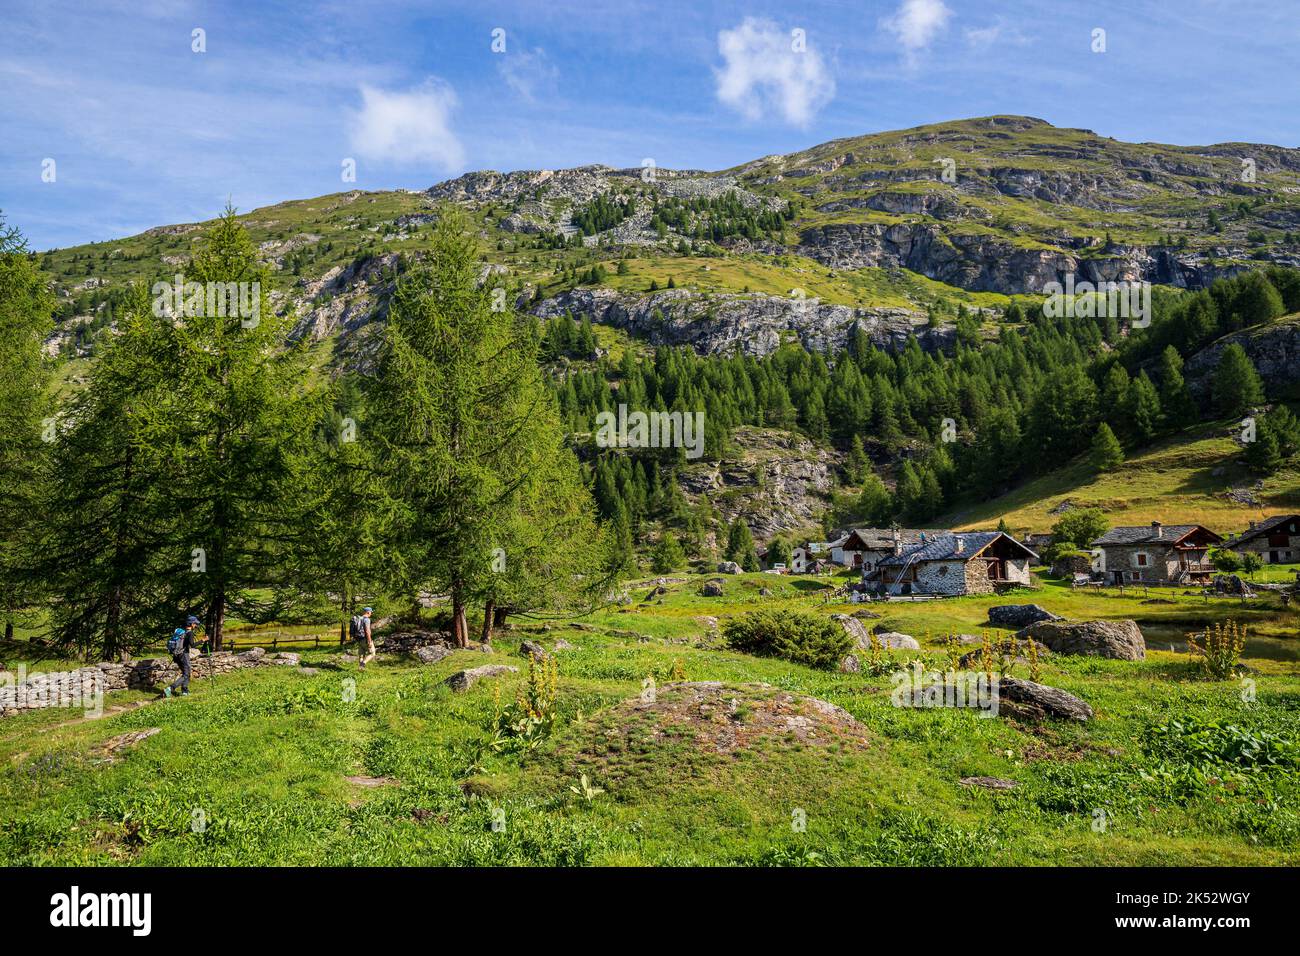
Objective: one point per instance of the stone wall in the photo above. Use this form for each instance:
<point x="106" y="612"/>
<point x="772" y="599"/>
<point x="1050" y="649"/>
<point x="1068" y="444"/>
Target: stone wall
<point x="76" y="688"/>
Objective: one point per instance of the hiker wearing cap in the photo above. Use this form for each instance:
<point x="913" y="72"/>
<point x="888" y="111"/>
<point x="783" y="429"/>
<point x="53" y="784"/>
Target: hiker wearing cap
<point x="360" y="628"/>
<point x="179" y="645"/>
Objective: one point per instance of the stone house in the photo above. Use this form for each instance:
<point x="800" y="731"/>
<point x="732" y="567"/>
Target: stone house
<point x="864" y="548"/>
<point x="1158" y="554"/>
<point x="1276" y="540"/>
<point x="950" y="563"/>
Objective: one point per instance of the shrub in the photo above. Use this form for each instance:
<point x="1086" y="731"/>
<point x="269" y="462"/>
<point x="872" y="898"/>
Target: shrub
<point x="791" y="635"/>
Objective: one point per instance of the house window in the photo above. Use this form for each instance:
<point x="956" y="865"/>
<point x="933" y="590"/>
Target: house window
<point x="1140" y="559"/>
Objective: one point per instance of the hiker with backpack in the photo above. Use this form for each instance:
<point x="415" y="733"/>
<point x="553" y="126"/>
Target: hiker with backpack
<point x="179" y="646"/>
<point x="360" y="631"/>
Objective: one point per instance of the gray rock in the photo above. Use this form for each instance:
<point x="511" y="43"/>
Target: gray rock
<point x="896" y="640"/>
<point x="1119" y="640"/>
<point x="431" y="653"/>
<point x="563" y="645"/>
<point x="989" y="783"/>
<point x="463" y="680"/>
<point x="850" y="664"/>
<point x="712" y="589"/>
<point x="729" y="567"/>
<point x="1041" y="699"/>
<point x="532" y="649"/>
<point x="855" y="629"/>
<point x="1019" y="615"/>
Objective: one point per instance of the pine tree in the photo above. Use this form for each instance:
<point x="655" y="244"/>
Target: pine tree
<point x="108" y="542"/>
<point x="238" y="422"/>
<point x="1143" y="409"/>
<point x="668" y="555"/>
<point x="25" y="310"/>
<point x="1105" y="453"/>
<point x="1175" y="399"/>
<point x="740" y="546"/>
<point x="874" y="503"/>
<point x="855" y="466"/>
<point x="474" y="475"/>
<point x="1237" y="386"/>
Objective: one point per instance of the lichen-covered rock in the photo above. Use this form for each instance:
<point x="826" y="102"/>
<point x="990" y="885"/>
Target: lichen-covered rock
<point x="463" y="680"/>
<point x="1019" y="615"/>
<point x="898" y="641"/>
<point x="1030" y="699"/>
<point x="712" y="589"/>
<point x="431" y="653"/>
<point x="1119" y="640"/>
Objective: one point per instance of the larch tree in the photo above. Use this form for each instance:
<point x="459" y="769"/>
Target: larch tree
<point x="25" y="320"/>
<point x="236" y="426"/>
<point x="477" y="499"/>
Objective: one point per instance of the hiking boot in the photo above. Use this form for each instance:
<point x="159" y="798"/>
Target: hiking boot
<point x="167" y="691"/>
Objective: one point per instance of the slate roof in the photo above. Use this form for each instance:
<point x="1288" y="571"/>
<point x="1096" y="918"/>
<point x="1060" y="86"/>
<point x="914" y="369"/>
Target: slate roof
<point x="882" y="539"/>
<point x="1264" y="527"/>
<point x="943" y="547"/>
<point x="1145" y="534"/>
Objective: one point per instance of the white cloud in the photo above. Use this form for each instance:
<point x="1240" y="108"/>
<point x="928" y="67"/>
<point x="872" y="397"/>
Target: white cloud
<point x="1000" y="33"/>
<point x="767" y="69"/>
<point x="408" y="127"/>
<point x="530" y="73"/>
<point x="916" y="23"/>
<point x="983" y="36"/>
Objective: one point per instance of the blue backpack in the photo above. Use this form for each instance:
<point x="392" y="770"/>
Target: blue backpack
<point x="176" y="641"/>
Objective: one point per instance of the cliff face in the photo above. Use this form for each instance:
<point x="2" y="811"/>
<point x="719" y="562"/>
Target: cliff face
<point x="1274" y="348"/>
<point x="754" y="324"/>
<point x="987" y="263"/>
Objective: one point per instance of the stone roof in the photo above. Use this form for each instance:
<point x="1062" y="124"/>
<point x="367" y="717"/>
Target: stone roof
<point x="951" y="546"/>
<point x="1146" y="534"/>
<point x="1264" y="527"/>
<point x="882" y="539"/>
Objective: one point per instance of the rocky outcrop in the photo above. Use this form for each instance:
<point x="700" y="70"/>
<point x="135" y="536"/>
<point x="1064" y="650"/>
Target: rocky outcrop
<point x="855" y="629"/>
<point x="1019" y="615"/>
<point x="1274" y="349"/>
<point x="991" y="263"/>
<point x="1118" y="640"/>
<point x="755" y="324"/>
<point x="775" y="481"/>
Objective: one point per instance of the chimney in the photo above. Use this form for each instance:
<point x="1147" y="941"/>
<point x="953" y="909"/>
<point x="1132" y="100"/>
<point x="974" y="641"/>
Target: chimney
<point x="1252" y="526"/>
<point x="898" y="542"/>
<point x="960" y="546"/>
<point x="1158" y="529"/>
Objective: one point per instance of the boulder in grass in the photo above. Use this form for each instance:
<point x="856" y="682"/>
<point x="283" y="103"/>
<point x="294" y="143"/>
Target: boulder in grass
<point x="532" y="649"/>
<point x="729" y="567"/>
<point x="897" y="641"/>
<point x="431" y="653"/>
<point x="712" y="589"/>
<point x="1026" y="698"/>
<point x="1118" y="640"/>
<point x="850" y="664"/>
<point x="1019" y="615"/>
<point x="563" y="645"/>
<point x="463" y="680"/>
<point x="855" y="629"/>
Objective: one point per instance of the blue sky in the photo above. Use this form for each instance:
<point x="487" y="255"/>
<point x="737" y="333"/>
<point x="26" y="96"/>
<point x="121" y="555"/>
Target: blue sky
<point x="145" y="131"/>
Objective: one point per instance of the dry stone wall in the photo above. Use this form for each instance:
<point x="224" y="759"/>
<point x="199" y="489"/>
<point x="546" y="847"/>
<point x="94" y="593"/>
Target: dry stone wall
<point x="79" y="688"/>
